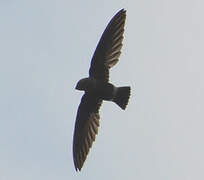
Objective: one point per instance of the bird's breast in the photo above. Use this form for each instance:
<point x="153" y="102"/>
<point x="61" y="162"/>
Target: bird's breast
<point x="105" y="90"/>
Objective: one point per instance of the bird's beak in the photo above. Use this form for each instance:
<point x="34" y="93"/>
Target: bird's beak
<point x="78" y="87"/>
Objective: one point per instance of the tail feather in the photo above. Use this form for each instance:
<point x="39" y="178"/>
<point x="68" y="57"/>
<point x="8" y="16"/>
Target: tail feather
<point x="122" y="96"/>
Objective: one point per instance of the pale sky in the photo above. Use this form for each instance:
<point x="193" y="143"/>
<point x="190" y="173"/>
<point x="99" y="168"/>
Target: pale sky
<point x="46" y="47"/>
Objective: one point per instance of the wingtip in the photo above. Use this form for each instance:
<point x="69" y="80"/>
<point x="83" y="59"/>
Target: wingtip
<point x="123" y="10"/>
<point x="77" y="170"/>
<point x="121" y="13"/>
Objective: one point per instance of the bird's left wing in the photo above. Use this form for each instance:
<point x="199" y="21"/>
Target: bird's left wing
<point x="86" y="128"/>
<point x="108" y="49"/>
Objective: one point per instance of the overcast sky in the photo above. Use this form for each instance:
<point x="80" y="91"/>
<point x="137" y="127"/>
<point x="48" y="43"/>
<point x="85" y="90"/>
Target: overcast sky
<point x="46" y="47"/>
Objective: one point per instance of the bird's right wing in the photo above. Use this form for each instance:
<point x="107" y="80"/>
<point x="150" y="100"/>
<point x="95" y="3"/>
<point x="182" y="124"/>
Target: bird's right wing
<point x="86" y="128"/>
<point x="108" y="49"/>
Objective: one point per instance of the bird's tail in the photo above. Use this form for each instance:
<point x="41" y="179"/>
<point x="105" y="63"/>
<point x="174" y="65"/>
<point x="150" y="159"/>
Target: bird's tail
<point x="122" y="96"/>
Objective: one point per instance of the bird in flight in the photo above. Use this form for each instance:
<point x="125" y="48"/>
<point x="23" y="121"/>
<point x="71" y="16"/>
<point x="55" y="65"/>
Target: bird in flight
<point x="97" y="88"/>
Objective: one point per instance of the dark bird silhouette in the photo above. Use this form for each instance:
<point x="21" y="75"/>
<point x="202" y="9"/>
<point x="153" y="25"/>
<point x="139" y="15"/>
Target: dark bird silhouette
<point x="97" y="88"/>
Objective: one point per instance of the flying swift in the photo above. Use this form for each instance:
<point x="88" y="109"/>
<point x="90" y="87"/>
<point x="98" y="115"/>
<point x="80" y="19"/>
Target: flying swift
<point x="97" y="88"/>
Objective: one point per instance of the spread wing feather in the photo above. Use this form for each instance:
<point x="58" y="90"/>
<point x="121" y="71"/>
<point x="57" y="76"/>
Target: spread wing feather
<point x="86" y="128"/>
<point x="109" y="47"/>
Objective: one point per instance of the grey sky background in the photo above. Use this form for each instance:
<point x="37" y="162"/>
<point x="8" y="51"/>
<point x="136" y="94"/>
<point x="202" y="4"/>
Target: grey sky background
<point x="46" y="47"/>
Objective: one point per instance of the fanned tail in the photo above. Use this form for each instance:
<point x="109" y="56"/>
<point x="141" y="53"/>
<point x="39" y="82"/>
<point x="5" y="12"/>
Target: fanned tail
<point x="122" y="96"/>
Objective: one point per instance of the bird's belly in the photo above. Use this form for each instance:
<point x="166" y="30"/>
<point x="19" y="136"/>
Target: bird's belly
<point x="105" y="91"/>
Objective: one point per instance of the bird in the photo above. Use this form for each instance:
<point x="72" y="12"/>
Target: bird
<point x="97" y="88"/>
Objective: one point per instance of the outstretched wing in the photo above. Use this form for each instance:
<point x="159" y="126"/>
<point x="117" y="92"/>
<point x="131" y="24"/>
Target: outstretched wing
<point x="86" y="128"/>
<point x="108" y="49"/>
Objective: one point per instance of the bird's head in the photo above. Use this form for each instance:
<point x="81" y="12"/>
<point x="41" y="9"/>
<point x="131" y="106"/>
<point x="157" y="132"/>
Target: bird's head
<point x="85" y="84"/>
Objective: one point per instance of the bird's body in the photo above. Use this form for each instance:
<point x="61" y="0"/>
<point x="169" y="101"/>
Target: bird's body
<point x="103" y="90"/>
<point x="98" y="88"/>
